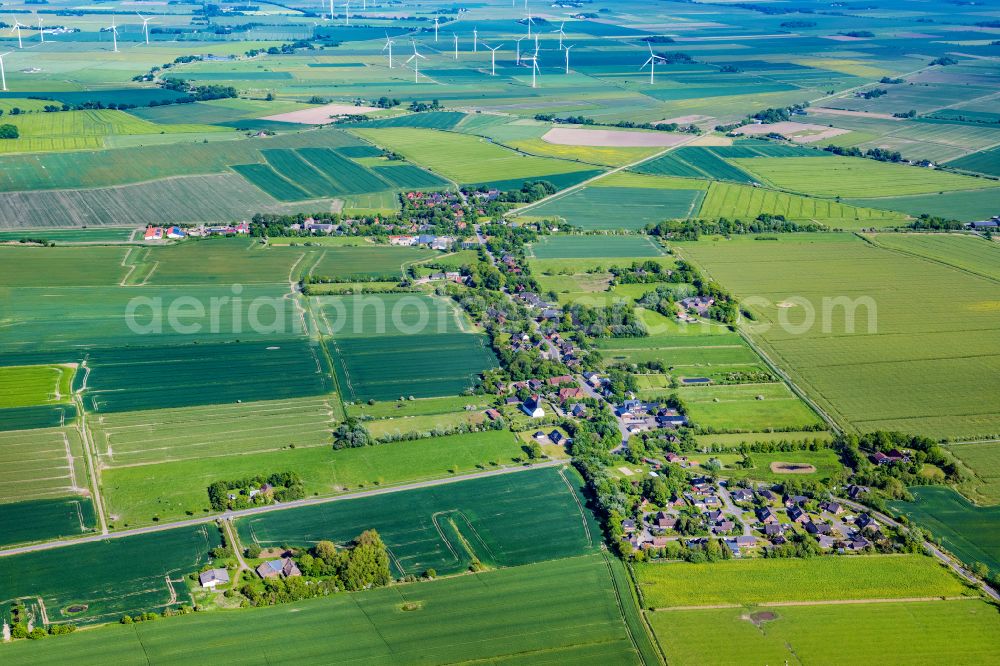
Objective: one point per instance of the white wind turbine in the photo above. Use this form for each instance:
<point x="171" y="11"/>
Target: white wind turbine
<point x="560" y="33"/>
<point x="518" y="58"/>
<point x="652" y="63"/>
<point x="529" y="20"/>
<point x="475" y="40"/>
<point x="41" y="33"/>
<point x="435" y="29"/>
<point x="3" y="75"/>
<point x="347" y="12"/>
<point x="567" y="58"/>
<point x="17" y="29"/>
<point x="330" y="18"/>
<point x="145" y="26"/>
<point x="388" y="45"/>
<point x="534" y="69"/>
<point x="456" y="44"/>
<point x="114" y="34"/>
<point x="416" y="57"/>
<point x="493" y="54"/>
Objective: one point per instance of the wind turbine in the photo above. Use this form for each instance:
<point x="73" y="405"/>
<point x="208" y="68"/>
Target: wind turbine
<point x="560" y="33"/>
<point x="41" y="33"/>
<point x="3" y="75"/>
<point x="518" y="41"/>
<point x="534" y="69"/>
<point x="529" y="21"/>
<point x="17" y="29"/>
<point x="347" y="12"/>
<point x="435" y="29"/>
<point x="331" y="11"/>
<point x="493" y="50"/>
<point x="145" y="26"/>
<point x="652" y="63"/>
<point x="456" y="44"/>
<point x="114" y="34"/>
<point x="388" y="45"/>
<point x="567" y="58"/>
<point x="475" y="40"/>
<point x="416" y="63"/>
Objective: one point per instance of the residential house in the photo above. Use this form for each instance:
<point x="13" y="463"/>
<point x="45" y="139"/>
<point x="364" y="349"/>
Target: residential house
<point x="797" y="514"/>
<point x="628" y="525"/>
<point x="832" y="507"/>
<point x="556" y="437"/>
<point x="213" y="578"/>
<point x="176" y="232"/>
<point x="493" y="414"/>
<point x="818" y="528"/>
<point x="742" y="495"/>
<point x="854" y="492"/>
<point x="284" y="567"/>
<point x="767" y="516"/>
<point x="566" y="394"/>
<point x="773" y="529"/>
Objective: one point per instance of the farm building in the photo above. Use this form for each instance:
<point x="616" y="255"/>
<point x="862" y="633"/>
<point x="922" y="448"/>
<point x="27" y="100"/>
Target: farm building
<point x="284" y="567"/>
<point x="213" y="577"/>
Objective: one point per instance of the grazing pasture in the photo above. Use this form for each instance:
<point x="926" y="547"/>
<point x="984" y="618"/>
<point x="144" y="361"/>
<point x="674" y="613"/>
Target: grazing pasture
<point x="818" y="465"/>
<point x="747" y="407"/>
<point x="967" y="530"/>
<point x="174" y="490"/>
<point x="504" y="520"/>
<point x="567" y="610"/>
<point x="940" y="358"/>
<point x="854" y="177"/>
<point x="421" y="407"/>
<point x="368" y="263"/>
<point x="982" y="461"/>
<point x="755" y="581"/>
<point x="109" y="578"/>
<point x="200" y="433"/>
<point x="927" y="632"/>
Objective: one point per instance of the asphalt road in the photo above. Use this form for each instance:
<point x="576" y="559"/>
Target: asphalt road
<point x="231" y="515"/>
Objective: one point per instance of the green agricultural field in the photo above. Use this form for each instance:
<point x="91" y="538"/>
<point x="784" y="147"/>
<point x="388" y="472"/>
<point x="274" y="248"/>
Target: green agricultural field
<point x="271" y="182"/>
<point x="566" y="610"/>
<point x="854" y="177"/>
<point x="588" y="247"/>
<point x="747" y="407"/>
<point x="422" y="425"/>
<point x="109" y="578"/>
<point x="372" y="315"/>
<point x="966" y="206"/>
<point x="467" y="159"/>
<point x="970" y="253"/>
<point x="169" y="491"/>
<point x="600" y="155"/>
<point x="987" y="161"/>
<point x="982" y="460"/>
<point x="217" y="261"/>
<point x="743" y="202"/>
<point x="735" y="440"/>
<point x="826" y="462"/>
<point x="582" y="265"/>
<point x="43" y="416"/>
<point x="939" y="358"/>
<point x="200" y="374"/>
<point x="72" y="236"/>
<point x="200" y="433"/>
<point x="966" y="530"/>
<point x="609" y="208"/>
<point x="348" y="176"/>
<point x="24" y="386"/>
<point x="41" y="463"/>
<point x="504" y="520"/>
<point x="929" y="632"/>
<point x="44" y="519"/>
<point x="421" y="407"/>
<point x="755" y="581"/>
<point x="62" y="266"/>
<point x="361" y="263"/>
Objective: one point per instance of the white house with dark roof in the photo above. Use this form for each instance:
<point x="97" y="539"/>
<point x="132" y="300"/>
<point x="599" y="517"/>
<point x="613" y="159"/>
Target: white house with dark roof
<point x="213" y="578"/>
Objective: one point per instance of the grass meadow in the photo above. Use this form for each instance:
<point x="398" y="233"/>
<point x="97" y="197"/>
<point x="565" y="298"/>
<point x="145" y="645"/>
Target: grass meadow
<point x="613" y="208"/>
<point x="566" y="611"/>
<point x="927" y="633"/>
<point x="747" y="407"/>
<point x="174" y="490"/>
<point x="826" y="462"/>
<point x="755" y="581"/>
<point x="939" y="357"/>
<point x="970" y="253"/>
<point x="982" y="460"/>
<point x="590" y="247"/>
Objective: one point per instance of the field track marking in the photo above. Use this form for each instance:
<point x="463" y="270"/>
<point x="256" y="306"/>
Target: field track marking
<point x="211" y="518"/>
<point x="579" y="506"/>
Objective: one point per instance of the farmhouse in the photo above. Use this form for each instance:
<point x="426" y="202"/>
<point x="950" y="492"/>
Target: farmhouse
<point x="213" y="577"/>
<point x="284" y="567"/>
